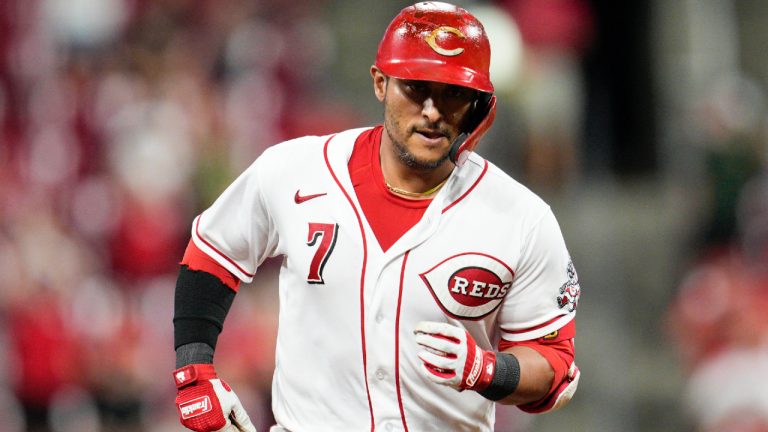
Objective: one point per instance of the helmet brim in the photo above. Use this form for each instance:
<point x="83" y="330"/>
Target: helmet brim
<point x="436" y="71"/>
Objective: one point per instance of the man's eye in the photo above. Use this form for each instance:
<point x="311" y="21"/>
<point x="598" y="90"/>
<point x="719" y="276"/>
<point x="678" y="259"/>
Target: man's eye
<point x="415" y="87"/>
<point x="459" y="93"/>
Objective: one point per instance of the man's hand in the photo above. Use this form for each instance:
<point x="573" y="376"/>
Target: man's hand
<point x="208" y="404"/>
<point x="451" y="357"/>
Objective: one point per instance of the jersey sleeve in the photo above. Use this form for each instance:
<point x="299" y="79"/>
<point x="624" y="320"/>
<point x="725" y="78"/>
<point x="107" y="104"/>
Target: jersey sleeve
<point x="237" y="231"/>
<point x="545" y="290"/>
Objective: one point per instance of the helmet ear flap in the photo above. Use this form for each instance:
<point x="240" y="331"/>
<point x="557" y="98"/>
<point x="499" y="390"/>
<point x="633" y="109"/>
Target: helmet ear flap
<point x="478" y="122"/>
<point x="478" y="112"/>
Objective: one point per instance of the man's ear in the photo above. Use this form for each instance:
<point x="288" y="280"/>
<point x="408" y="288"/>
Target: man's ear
<point x="379" y="83"/>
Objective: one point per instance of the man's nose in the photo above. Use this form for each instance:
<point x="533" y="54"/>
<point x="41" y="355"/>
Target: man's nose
<point x="430" y="110"/>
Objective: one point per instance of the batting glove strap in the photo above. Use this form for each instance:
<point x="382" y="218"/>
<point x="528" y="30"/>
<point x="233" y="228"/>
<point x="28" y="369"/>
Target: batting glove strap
<point x="505" y="380"/>
<point x="193" y="373"/>
<point x="480" y="374"/>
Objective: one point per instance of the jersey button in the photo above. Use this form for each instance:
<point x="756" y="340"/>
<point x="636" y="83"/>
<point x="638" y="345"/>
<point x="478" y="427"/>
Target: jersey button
<point x="379" y="318"/>
<point x="380" y="374"/>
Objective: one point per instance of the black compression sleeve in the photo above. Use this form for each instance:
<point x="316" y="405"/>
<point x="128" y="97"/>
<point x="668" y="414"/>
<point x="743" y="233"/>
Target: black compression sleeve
<point x="506" y="378"/>
<point x="201" y="303"/>
<point x="196" y="352"/>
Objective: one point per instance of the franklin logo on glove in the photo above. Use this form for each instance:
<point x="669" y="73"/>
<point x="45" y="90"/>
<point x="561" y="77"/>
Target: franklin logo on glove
<point x="195" y="407"/>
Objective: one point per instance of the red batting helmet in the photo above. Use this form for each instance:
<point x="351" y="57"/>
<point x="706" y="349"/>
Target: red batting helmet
<point x="435" y="41"/>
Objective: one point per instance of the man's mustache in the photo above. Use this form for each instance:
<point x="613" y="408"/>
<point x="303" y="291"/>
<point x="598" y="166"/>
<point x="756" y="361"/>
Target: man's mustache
<point x="432" y="130"/>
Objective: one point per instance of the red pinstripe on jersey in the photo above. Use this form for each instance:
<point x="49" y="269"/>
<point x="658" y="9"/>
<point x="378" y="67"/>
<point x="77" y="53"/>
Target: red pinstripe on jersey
<point x="397" y="341"/>
<point x="362" y="275"/>
<point x="480" y="177"/>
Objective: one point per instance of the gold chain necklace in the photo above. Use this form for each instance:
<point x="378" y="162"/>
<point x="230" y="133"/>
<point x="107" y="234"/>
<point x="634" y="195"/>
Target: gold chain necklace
<point x="404" y="192"/>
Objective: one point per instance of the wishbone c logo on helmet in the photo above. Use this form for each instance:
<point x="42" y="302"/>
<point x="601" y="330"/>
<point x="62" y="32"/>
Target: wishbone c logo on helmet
<point x="440" y="42"/>
<point x="432" y="40"/>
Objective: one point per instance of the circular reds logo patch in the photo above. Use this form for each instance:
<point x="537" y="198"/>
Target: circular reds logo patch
<point x="469" y="285"/>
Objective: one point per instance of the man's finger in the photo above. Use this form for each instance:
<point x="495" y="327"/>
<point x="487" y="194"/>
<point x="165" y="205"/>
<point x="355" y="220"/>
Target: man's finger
<point x="440" y="328"/>
<point x="240" y="419"/>
<point x="438" y="344"/>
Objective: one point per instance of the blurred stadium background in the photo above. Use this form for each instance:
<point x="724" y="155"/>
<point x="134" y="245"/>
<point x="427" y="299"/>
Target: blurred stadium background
<point x="643" y="123"/>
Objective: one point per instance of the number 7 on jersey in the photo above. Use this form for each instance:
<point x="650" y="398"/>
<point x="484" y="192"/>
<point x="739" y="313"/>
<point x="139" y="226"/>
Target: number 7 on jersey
<point x="327" y="234"/>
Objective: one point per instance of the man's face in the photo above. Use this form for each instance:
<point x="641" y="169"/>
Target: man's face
<point x="422" y="118"/>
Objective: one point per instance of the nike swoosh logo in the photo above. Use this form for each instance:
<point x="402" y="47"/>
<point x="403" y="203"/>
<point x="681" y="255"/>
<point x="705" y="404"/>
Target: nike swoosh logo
<point x="300" y="199"/>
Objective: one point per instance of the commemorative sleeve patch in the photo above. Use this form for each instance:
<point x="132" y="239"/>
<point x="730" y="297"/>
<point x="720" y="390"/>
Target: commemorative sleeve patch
<point x="570" y="291"/>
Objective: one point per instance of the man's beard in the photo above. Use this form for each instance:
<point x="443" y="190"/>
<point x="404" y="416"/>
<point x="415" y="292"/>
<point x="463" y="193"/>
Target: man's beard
<point x="408" y="158"/>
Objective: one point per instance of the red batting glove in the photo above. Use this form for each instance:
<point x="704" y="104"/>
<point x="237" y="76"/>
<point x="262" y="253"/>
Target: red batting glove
<point x="208" y="404"/>
<point x="451" y="357"/>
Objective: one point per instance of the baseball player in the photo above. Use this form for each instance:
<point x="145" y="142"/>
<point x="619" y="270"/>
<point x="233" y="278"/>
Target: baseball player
<point x="419" y="285"/>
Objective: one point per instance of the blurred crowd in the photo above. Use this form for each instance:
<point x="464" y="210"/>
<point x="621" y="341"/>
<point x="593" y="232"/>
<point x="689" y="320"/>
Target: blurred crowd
<point x="120" y="121"/>
<point x="718" y="319"/>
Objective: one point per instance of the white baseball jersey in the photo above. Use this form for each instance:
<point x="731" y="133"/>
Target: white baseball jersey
<point x="487" y="255"/>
